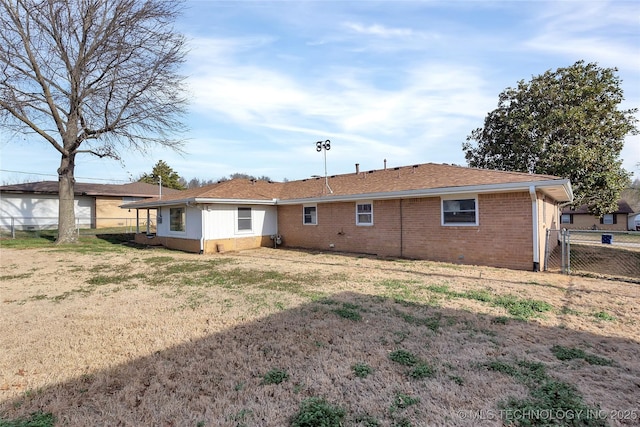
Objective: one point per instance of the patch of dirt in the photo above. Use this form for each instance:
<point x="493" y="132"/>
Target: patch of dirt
<point x="155" y="337"/>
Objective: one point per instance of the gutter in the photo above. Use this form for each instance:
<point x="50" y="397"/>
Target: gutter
<point x="199" y="200"/>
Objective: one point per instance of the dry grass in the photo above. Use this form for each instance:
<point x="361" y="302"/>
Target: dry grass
<point x="153" y="337"/>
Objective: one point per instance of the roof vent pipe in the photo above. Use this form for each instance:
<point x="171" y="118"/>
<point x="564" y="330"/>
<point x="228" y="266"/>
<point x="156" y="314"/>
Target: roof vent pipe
<point x="357" y="168"/>
<point x="385" y="164"/>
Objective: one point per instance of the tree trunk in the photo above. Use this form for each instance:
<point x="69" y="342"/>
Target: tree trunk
<point x="66" y="206"/>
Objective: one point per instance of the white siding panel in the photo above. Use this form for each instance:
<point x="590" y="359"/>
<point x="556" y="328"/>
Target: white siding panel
<point x="221" y="221"/>
<point x="162" y="225"/>
<point x="42" y="210"/>
<point x="194" y="223"/>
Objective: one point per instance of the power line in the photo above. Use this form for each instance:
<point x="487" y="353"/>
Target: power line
<point x="54" y="175"/>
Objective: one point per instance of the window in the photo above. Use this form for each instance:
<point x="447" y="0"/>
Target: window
<point x="127" y="199"/>
<point x="244" y="219"/>
<point x="177" y="219"/>
<point x="309" y="215"/>
<point x="566" y="219"/>
<point x="459" y="212"/>
<point x="608" y="219"/>
<point x="364" y="213"/>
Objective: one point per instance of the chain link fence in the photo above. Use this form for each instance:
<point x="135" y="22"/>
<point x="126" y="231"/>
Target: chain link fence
<point x="47" y="227"/>
<point x="596" y="253"/>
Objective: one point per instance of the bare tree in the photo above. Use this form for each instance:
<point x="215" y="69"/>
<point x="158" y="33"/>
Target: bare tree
<point x="91" y="76"/>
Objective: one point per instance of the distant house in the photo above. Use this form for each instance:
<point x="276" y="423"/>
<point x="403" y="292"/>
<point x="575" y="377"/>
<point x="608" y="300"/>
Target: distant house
<point x="581" y="219"/>
<point x="634" y="222"/>
<point x="34" y="205"/>
<point x="425" y="211"/>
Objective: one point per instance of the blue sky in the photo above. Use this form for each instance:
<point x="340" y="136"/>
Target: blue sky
<point x="404" y="81"/>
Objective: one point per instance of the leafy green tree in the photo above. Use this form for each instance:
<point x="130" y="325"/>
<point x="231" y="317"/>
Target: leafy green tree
<point x="565" y="123"/>
<point x="170" y="178"/>
<point x="91" y="77"/>
<point x="632" y="195"/>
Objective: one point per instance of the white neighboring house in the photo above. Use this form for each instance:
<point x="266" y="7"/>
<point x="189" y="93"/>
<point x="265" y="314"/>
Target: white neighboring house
<point x="34" y="205"/>
<point x="37" y="212"/>
<point x="634" y="222"/>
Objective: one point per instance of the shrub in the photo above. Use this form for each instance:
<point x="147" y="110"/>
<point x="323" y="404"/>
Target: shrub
<point x="275" y="376"/>
<point x="317" y="412"/>
<point x="403" y="357"/>
<point x="568" y="353"/>
<point x="422" y="370"/>
<point x="36" y="419"/>
<point x="361" y="370"/>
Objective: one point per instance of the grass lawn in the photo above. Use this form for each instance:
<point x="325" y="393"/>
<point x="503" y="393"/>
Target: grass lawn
<point x="101" y="333"/>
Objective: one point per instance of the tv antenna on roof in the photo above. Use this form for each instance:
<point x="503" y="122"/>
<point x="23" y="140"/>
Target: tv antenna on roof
<point x="325" y="146"/>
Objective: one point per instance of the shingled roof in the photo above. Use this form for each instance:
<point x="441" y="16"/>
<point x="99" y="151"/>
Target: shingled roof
<point x="132" y="189"/>
<point x="427" y="176"/>
<point x="623" y="208"/>
<point x="406" y="181"/>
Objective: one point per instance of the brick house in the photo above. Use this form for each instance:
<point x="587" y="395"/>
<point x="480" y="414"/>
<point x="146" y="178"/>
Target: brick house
<point x="581" y="219"/>
<point x="425" y="211"/>
<point x="34" y="205"/>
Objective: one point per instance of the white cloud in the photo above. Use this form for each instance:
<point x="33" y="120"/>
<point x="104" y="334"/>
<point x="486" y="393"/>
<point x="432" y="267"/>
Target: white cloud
<point x="369" y="114"/>
<point x="378" y="30"/>
<point x="585" y="32"/>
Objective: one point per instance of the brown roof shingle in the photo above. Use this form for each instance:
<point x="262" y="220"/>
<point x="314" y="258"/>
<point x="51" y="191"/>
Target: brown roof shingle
<point x="417" y="177"/>
<point x="132" y="189"/>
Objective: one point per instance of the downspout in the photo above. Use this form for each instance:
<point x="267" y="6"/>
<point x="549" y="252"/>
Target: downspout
<point x="203" y="230"/>
<point x="202" y="227"/>
<point x="275" y="242"/>
<point x="401" y="224"/>
<point x="534" y="219"/>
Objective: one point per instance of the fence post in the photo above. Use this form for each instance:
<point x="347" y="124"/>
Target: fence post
<point x="13" y="228"/>
<point x="568" y="252"/>
<point x="562" y="250"/>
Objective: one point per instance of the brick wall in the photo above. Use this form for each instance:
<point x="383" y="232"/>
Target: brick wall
<point x="503" y="238"/>
<point x="236" y="244"/>
<point x="186" y="245"/>
<point x="337" y="226"/>
<point x="210" y="246"/>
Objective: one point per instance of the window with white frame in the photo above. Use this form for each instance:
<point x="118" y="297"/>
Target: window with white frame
<point x="364" y="213"/>
<point x="310" y="215"/>
<point x="460" y="211"/>
<point x="244" y="219"/>
<point x="177" y="219"/>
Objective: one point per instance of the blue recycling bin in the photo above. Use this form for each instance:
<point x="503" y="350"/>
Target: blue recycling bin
<point x="607" y="239"/>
